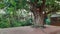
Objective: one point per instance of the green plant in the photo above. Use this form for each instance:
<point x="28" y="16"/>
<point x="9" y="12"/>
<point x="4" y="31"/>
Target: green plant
<point x="4" y="24"/>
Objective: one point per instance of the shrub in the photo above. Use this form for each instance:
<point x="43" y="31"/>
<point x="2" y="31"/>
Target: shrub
<point x="4" y="24"/>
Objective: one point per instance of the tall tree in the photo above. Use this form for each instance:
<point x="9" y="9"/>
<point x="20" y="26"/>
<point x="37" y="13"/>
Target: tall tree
<point x="39" y="8"/>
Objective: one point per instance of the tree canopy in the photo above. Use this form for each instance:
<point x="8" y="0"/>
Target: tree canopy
<point x="23" y="4"/>
<point x="37" y="7"/>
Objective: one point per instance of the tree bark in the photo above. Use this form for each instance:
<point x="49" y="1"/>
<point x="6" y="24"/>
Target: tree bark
<point x="38" y="13"/>
<point x="38" y="19"/>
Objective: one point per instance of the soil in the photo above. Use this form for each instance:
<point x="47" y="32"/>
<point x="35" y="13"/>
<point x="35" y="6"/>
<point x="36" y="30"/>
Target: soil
<point x="29" y="30"/>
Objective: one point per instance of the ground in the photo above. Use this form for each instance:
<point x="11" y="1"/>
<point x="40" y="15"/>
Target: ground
<point x="30" y="30"/>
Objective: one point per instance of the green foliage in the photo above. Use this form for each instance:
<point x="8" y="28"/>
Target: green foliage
<point x="27" y="22"/>
<point x="8" y="21"/>
<point x="16" y="24"/>
<point x="4" y="23"/>
<point x="13" y="2"/>
<point x="12" y="18"/>
<point x="2" y="5"/>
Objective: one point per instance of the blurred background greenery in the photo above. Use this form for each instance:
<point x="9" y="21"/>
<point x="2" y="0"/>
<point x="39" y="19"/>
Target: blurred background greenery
<point x="9" y="19"/>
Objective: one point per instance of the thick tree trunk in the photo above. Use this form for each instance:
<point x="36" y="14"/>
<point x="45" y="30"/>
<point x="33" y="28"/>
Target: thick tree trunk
<point x="38" y="19"/>
<point x="38" y="13"/>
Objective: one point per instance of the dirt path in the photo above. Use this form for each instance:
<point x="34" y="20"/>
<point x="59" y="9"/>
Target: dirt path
<point x="30" y="30"/>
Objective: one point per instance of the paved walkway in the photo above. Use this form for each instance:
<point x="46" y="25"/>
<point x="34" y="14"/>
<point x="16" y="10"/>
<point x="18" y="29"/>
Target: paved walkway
<point x="30" y="30"/>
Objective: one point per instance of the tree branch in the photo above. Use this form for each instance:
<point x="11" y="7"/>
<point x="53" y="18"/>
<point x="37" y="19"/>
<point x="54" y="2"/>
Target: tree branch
<point x="42" y="7"/>
<point x="52" y="11"/>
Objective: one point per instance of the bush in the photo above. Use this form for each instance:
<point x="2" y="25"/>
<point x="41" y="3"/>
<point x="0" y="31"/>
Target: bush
<point x="16" y="24"/>
<point x="4" y="24"/>
<point x="27" y="22"/>
<point x="22" y="23"/>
